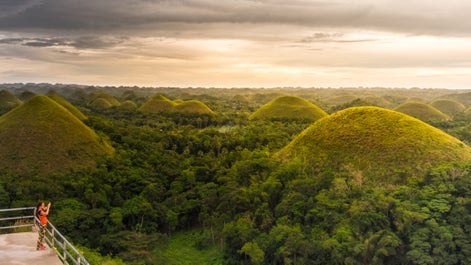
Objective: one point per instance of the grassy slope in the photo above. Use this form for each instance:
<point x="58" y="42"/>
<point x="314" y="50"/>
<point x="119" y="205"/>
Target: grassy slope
<point x="181" y="251"/>
<point x="8" y="101"/>
<point x="41" y="136"/>
<point x="374" y="143"/>
<point x="64" y="103"/>
<point x="157" y="104"/>
<point x="193" y="106"/>
<point x="100" y="103"/>
<point x="111" y="99"/>
<point x="448" y="106"/>
<point x="289" y="107"/>
<point x="422" y="111"/>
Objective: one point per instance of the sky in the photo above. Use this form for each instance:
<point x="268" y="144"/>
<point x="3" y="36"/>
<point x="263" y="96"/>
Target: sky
<point x="237" y="43"/>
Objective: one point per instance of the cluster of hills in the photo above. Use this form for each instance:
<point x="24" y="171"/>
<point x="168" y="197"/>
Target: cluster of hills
<point x="160" y="103"/>
<point x="276" y="175"/>
<point x="47" y="134"/>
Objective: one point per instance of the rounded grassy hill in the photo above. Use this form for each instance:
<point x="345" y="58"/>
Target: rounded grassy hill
<point x="64" y="103"/>
<point x="101" y="95"/>
<point x="100" y="104"/>
<point x="374" y="145"/>
<point x="8" y="101"/>
<point x="422" y="111"/>
<point x="192" y="106"/>
<point x="289" y="107"/>
<point x="448" y="106"/>
<point x="157" y="104"/>
<point x="129" y="104"/>
<point x="42" y="137"/>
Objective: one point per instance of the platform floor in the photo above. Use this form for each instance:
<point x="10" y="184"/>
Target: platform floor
<point x="20" y="248"/>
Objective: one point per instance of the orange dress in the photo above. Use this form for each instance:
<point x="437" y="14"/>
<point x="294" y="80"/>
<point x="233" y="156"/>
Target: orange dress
<point x="42" y="218"/>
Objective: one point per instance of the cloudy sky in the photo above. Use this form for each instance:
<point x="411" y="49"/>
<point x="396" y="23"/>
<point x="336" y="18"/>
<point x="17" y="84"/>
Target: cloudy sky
<point x="237" y="43"/>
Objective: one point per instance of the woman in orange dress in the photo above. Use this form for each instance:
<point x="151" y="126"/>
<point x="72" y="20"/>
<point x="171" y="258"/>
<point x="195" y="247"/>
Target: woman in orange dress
<point x="42" y="212"/>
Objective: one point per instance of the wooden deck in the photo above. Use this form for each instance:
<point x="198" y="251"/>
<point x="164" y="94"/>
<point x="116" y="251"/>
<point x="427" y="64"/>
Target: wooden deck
<point x="20" y="248"/>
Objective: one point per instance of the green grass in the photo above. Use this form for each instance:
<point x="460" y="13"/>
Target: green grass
<point x="100" y="103"/>
<point x="192" y="106"/>
<point x="8" y="101"/>
<point x="157" y="104"/>
<point x="42" y="136"/>
<point x="374" y="145"/>
<point x="448" y="106"/>
<point x="422" y="111"/>
<point x="289" y="107"/>
<point x="181" y="250"/>
<point x="160" y="103"/>
<point x="64" y="103"/>
<point x="111" y="99"/>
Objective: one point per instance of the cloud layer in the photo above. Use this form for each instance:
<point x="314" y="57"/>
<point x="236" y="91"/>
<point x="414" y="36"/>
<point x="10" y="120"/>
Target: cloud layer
<point x="237" y="42"/>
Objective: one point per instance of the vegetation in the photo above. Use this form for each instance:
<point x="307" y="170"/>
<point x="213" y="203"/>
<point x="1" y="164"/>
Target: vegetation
<point x="289" y="107"/>
<point x="42" y="137"/>
<point x="71" y="108"/>
<point x="192" y="106"/>
<point x="422" y="111"/>
<point x="185" y="188"/>
<point x="8" y="101"/>
<point x="448" y="106"/>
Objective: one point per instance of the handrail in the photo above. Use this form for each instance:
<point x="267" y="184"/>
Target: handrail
<point x="25" y="217"/>
<point x="65" y="250"/>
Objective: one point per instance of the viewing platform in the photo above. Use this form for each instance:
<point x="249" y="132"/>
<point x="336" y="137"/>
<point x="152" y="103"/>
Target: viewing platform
<point x="18" y="237"/>
<point x="20" y="248"/>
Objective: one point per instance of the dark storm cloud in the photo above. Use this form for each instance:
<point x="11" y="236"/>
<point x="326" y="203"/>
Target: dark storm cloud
<point x="85" y="42"/>
<point x="138" y="16"/>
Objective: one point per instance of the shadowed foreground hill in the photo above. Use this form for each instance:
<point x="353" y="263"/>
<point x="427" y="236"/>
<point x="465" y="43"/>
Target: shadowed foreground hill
<point x="289" y="107"/>
<point x="373" y="145"/>
<point x="42" y="136"/>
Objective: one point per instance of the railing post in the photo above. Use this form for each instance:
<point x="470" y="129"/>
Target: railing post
<point x="52" y="237"/>
<point x="55" y="234"/>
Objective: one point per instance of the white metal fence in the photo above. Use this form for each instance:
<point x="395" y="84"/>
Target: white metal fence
<point x="54" y="239"/>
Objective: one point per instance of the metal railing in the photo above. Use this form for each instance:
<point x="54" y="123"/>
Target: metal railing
<point x="54" y="239"/>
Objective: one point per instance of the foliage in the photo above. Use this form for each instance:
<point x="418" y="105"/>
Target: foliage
<point x="41" y="137"/>
<point x="289" y="108"/>
<point x="205" y="189"/>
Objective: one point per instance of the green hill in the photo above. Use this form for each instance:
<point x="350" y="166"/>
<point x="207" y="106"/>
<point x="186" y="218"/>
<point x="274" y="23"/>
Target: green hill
<point x="448" y="106"/>
<point x="157" y="104"/>
<point x="377" y="101"/>
<point x="373" y="145"/>
<point x="422" y="111"/>
<point x="8" y="101"/>
<point x="464" y="98"/>
<point x="64" y="103"/>
<point x="129" y="104"/>
<point x="289" y="107"/>
<point x="341" y="99"/>
<point x="41" y="137"/>
<point x="26" y="95"/>
<point x="192" y="106"/>
<point x="100" y="95"/>
<point x="100" y="103"/>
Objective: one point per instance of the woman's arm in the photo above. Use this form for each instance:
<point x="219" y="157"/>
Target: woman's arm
<point x="47" y="208"/>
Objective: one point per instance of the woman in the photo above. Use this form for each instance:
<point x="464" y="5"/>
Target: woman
<point x="42" y="212"/>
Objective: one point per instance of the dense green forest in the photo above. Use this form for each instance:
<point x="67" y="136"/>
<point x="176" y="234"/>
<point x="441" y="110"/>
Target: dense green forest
<point x="212" y="183"/>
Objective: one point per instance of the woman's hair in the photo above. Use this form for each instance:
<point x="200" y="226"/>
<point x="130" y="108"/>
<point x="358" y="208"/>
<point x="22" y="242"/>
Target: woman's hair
<point x="37" y="207"/>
